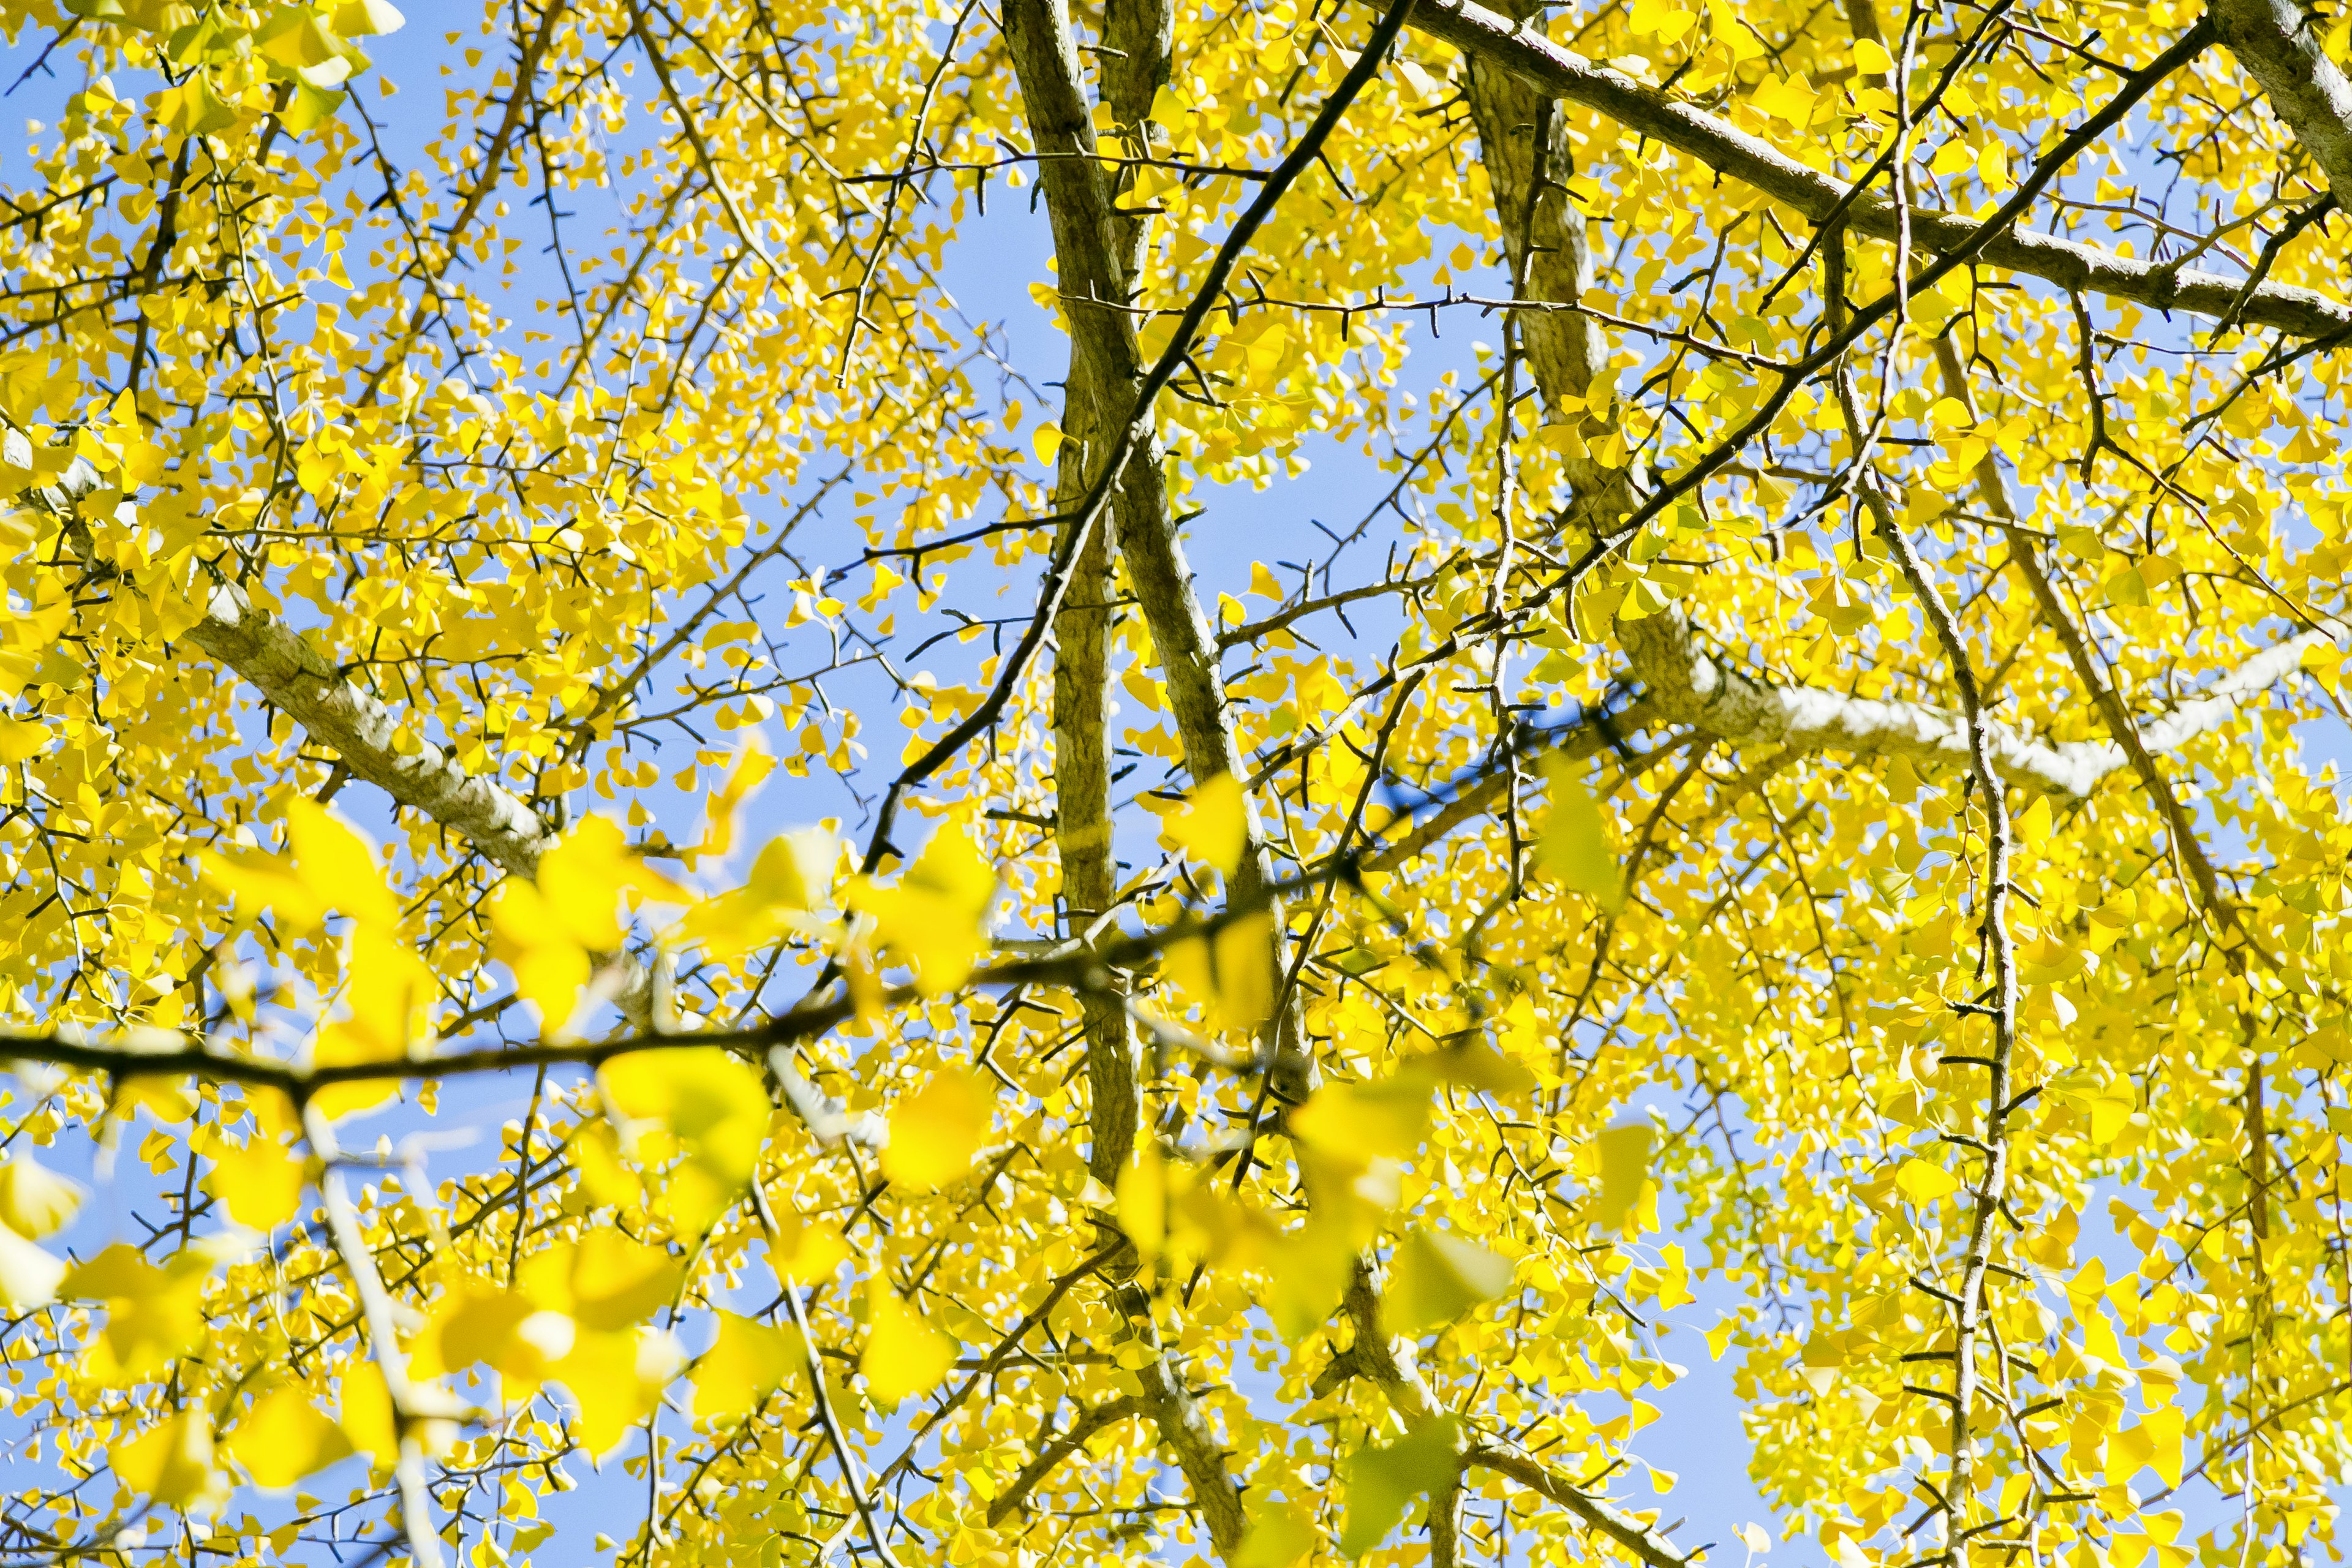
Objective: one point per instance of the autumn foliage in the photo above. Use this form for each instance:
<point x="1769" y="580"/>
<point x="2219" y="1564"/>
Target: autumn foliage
<point x="541" y="597"/>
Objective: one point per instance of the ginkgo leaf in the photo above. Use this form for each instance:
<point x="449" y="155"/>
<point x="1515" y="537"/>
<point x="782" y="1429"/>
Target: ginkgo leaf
<point x="34" y="1201"/>
<point x="1438" y="1276"/>
<point x="153" y="1316"/>
<point x="1229" y="972"/>
<point x="171" y="1463"/>
<point x="584" y="879"/>
<point x="1213" y="827"/>
<point x="338" y="862"/>
<point x="368" y="19"/>
<point x="934" y="915"/>
<point x="745" y="1363"/>
<point x="936" y="1131"/>
<point x="261" y="1184"/>
<point x="549" y="966"/>
<point x="1281" y="1535"/>
<point x="750" y="768"/>
<point x="614" y="1379"/>
<point x="718" y="1108"/>
<point x="1382" y="1481"/>
<point x="1925" y="1182"/>
<point x="903" y="1356"/>
<point x="364" y="1413"/>
<point x="1141" y="1200"/>
<point x="605" y="1280"/>
<point x="794" y="870"/>
<point x="28" y="1274"/>
<point x="1385" y="1119"/>
<point x="1624" y="1173"/>
<point x="285" y="1438"/>
<point x="1575" y="847"/>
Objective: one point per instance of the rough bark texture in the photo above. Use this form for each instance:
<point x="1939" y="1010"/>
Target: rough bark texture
<point x="297" y="678"/>
<point x="1489" y="37"/>
<point x="2278" y="43"/>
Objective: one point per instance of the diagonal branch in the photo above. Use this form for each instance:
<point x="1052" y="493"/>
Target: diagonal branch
<point x="2279" y="43"/>
<point x="1722" y="146"/>
<point x="298" y="679"/>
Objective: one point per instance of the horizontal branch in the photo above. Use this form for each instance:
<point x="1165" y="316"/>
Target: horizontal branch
<point x="1695" y="687"/>
<point x="1727" y="149"/>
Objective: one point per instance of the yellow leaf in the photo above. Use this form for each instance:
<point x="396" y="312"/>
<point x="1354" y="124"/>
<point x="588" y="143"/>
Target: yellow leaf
<point x="903" y="1355"/>
<point x="715" y="1104"/>
<point x="795" y="870"/>
<point x="259" y="881"/>
<point x="285" y="1438"/>
<point x="1383" y="1119"/>
<point x="338" y="863"/>
<point x="260" y="1184"/>
<point x="171" y="1463"/>
<point x="1624" y="1173"/>
<point x="1437" y="1277"/>
<point x="364" y="1413"/>
<point x="1047" y="440"/>
<point x="29" y="1275"/>
<point x="743" y="1365"/>
<point x="805" y="1252"/>
<point x="752" y="765"/>
<point x="1142" y="1199"/>
<point x="936" y="1131"/>
<point x="368" y="19"/>
<point x="1230" y="974"/>
<point x="1871" y="58"/>
<point x="1575" y="846"/>
<point x="604" y="1280"/>
<point x="1925" y="1182"/>
<point x="2088" y="1286"/>
<point x="161" y="1098"/>
<point x="1281" y="1535"/>
<point x="934" y="915"/>
<point x="22" y="739"/>
<point x="614" y="1379"/>
<point x="584" y="877"/>
<point x="35" y="1202"/>
<point x="550" y="966"/>
<point x="1213" y="828"/>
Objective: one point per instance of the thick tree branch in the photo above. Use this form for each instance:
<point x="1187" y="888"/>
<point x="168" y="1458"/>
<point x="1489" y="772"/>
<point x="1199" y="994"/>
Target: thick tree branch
<point x="2278" y="42"/>
<point x="364" y="731"/>
<point x="1489" y="36"/>
<point x="1059" y="1448"/>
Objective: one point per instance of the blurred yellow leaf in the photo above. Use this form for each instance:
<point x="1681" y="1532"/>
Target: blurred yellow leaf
<point x="1281" y="1534"/>
<point x="752" y="767"/>
<point x="606" y="1282"/>
<point x="1385" y="1119"/>
<point x="34" y="1201"/>
<point x="614" y="1378"/>
<point x="1142" y="1199"/>
<point x="1624" y="1173"/>
<point x="29" y="1275"/>
<point x="260" y="1184"/>
<point x="171" y="1463"/>
<point x="1213" y="827"/>
<point x="903" y="1356"/>
<point x="1575" y="847"/>
<point x="338" y="863"/>
<point x="1382" y="1481"/>
<point x="1437" y="1277"/>
<point x="936" y="1131"/>
<point x="153" y="1316"/>
<point x="584" y="877"/>
<point x="1230" y="974"/>
<point x="285" y="1438"/>
<point x="935" y="916"/>
<point x="364" y="1413"/>
<point x="715" y="1104"/>
<point x="549" y="966"/>
<point x="744" y="1364"/>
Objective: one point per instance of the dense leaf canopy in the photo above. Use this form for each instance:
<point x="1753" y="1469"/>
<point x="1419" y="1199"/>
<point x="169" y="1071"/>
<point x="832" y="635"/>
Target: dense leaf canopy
<point x="541" y="587"/>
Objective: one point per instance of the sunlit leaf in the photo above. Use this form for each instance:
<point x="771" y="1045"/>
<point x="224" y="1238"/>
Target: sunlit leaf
<point x="903" y="1355"/>
<point x="936" y="1131"/>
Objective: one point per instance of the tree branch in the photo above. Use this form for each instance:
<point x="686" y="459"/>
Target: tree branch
<point x="2069" y="264"/>
<point x="2278" y="43"/>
